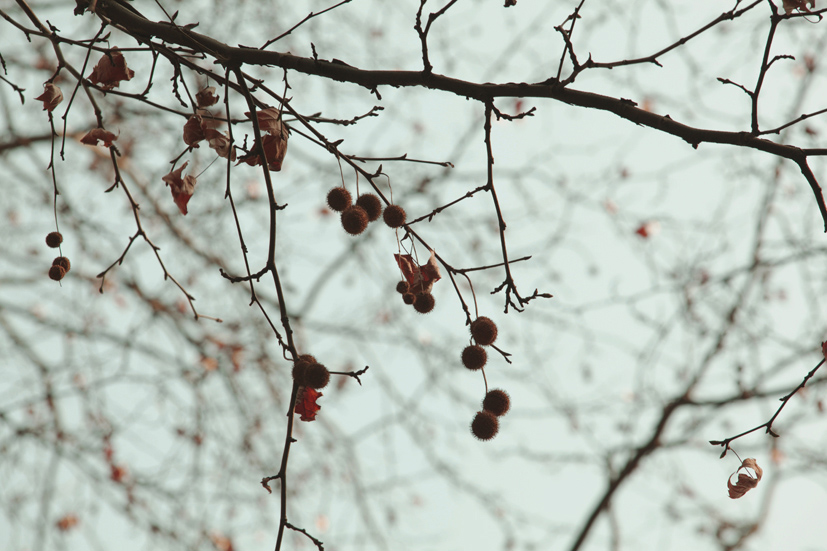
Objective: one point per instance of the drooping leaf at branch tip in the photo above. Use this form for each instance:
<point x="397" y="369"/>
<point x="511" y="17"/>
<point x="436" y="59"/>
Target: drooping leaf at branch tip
<point x="420" y="279"/>
<point x="746" y="482"/>
<point x="181" y="188"/>
<point x="99" y="135"/>
<point x="51" y="96"/>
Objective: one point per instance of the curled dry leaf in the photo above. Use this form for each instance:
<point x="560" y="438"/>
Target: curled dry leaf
<point x="269" y="120"/>
<point x="220" y="142"/>
<point x="99" y="134"/>
<point x="111" y="70"/>
<point x="800" y="5"/>
<point x="420" y="279"/>
<point x="51" y="96"/>
<point x="193" y="131"/>
<point x="181" y="188"/>
<point x="274" y="149"/>
<point x="275" y="142"/>
<point x="306" y="405"/>
<point x="206" y="97"/>
<point x="67" y="522"/>
<point x="745" y="481"/>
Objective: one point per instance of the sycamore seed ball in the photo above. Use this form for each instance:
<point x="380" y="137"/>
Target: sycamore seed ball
<point x="408" y="298"/>
<point x="424" y="303"/>
<point x="354" y="220"/>
<point x="474" y="357"/>
<point x="394" y="216"/>
<point x="54" y="240"/>
<point x="57" y="272"/>
<point x="300" y="368"/>
<point x="484" y="331"/>
<point x="402" y="287"/>
<point x="63" y="262"/>
<point x="485" y="425"/>
<point x="497" y="402"/>
<point x="317" y="376"/>
<point x="338" y="199"/>
<point x="371" y="204"/>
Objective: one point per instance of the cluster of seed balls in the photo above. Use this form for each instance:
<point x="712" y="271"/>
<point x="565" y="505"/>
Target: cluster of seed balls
<point x="496" y="402"/>
<point x="61" y="264"/>
<point x="422" y="302"/>
<point x="309" y="372"/>
<point x="368" y="208"/>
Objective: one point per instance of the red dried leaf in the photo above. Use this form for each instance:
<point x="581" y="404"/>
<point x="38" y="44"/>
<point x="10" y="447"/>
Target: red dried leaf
<point x="306" y="405"/>
<point x="193" y="131"/>
<point x="99" y="134"/>
<point x="67" y="522"/>
<point x="182" y="188"/>
<point x="111" y="70"/>
<point x="274" y="149"/>
<point x="648" y="229"/>
<point x="745" y="481"/>
<point x="118" y="473"/>
<point x="51" y="96"/>
<point x="206" y="97"/>
<point x="420" y="279"/>
<point x="221" y="542"/>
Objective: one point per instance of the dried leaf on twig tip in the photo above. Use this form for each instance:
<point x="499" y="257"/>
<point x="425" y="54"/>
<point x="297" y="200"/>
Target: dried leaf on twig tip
<point x="111" y="70"/>
<point x="745" y="481"/>
<point x="182" y="188"/>
<point x="51" y="96"/>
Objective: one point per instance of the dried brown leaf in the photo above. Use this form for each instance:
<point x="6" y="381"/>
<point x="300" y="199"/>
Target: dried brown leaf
<point x="746" y="482"/>
<point x="51" y="96"/>
<point x="99" y="134"/>
<point x="111" y="70"/>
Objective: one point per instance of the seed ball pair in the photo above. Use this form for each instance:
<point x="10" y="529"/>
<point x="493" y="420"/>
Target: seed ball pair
<point x="60" y="266"/>
<point x="308" y="372"/>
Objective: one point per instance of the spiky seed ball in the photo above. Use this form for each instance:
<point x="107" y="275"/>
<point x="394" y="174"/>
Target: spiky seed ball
<point x="474" y="357"/>
<point x="496" y="402"/>
<point x="408" y="298"/>
<point x="354" y="220"/>
<point x="484" y="331"/>
<point x="338" y="199"/>
<point x="371" y="204"/>
<point x="57" y="272"/>
<point x="424" y="303"/>
<point x="63" y="262"/>
<point x="402" y="287"/>
<point x="54" y="240"/>
<point x="317" y="376"/>
<point x="485" y="425"/>
<point x="300" y="368"/>
<point x="394" y="216"/>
